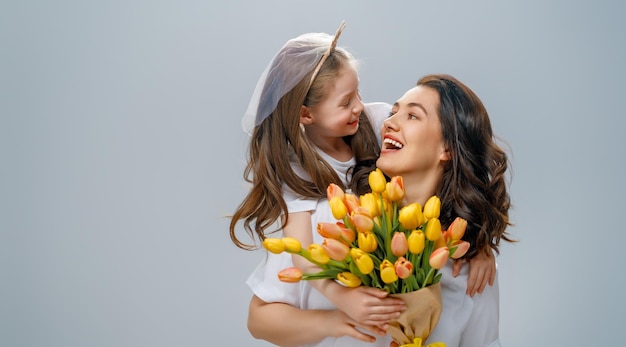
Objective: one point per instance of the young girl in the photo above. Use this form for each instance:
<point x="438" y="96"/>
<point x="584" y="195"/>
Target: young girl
<point x="308" y="128"/>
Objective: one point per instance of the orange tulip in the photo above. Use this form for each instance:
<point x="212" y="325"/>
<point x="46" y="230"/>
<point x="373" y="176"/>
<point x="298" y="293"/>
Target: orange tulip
<point x="362" y="220"/>
<point x="399" y="245"/>
<point x="274" y="245"/>
<point x="335" y="249"/>
<point x="377" y="181"/>
<point x="438" y="258"/>
<point x="337" y="231"/>
<point x="334" y="190"/>
<point x="367" y="241"/>
<point x="351" y="201"/>
<point x="403" y="267"/>
<point x="457" y="228"/>
<point x="461" y="248"/>
<point x="290" y="275"/>
<point x="388" y="272"/>
<point x="395" y="189"/>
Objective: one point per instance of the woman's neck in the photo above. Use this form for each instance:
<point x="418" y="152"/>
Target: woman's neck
<point x="418" y="189"/>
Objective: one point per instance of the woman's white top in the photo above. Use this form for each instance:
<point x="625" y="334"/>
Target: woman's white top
<point x="475" y="320"/>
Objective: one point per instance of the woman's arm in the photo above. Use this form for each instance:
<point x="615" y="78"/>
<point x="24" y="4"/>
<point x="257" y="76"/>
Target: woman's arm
<point x="285" y="325"/>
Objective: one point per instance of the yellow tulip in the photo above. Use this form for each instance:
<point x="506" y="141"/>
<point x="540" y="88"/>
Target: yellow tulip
<point x="432" y="207"/>
<point x="290" y="275"/>
<point x="334" y="190"/>
<point x="362" y="220"/>
<point x="404" y="268"/>
<point x="439" y="257"/>
<point x="433" y="229"/>
<point x="367" y="241"/>
<point x="417" y="342"/>
<point x="377" y="181"/>
<point x="457" y="228"/>
<point x="461" y="248"/>
<point x="399" y="245"/>
<point x="351" y="201"/>
<point x="388" y="272"/>
<point x="274" y="245"/>
<point x="370" y="202"/>
<point x="411" y="217"/>
<point x="416" y="242"/>
<point x="395" y="189"/>
<point x="291" y="244"/>
<point x="335" y="249"/>
<point x="338" y="208"/>
<point x="349" y="279"/>
<point x="318" y="254"/>
<point x="362" y="260"/>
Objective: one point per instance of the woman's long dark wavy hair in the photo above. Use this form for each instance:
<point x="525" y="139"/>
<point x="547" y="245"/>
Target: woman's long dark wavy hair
<point x="473" y="185"/>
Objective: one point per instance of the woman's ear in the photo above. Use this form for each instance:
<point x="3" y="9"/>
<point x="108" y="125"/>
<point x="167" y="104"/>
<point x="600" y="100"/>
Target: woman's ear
<point x="305" y="115"/>
<point x="445" y="155"/>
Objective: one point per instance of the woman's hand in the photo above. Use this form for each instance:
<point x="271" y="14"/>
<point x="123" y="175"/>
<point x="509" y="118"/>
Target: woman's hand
<point x="368" y="306"/>
<point x="482" y="271"/>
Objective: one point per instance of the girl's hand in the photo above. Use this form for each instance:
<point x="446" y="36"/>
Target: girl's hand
<point x="482" y="271"/>
<point x="369" y="306"/>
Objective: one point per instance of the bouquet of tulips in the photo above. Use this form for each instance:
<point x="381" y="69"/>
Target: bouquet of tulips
<point x="377" y="242"/>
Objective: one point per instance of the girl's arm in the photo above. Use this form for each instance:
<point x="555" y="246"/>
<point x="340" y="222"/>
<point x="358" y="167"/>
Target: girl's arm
<point x="482" y="271"/>
<point x="366" y="305"/>
<point x="285" y="325"/>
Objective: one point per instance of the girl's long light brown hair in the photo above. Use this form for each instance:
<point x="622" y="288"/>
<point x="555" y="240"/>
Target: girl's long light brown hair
<point x="268" y="166"/>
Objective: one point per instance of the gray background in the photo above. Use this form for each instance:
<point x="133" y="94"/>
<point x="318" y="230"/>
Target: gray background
<point x="121" y="154"/>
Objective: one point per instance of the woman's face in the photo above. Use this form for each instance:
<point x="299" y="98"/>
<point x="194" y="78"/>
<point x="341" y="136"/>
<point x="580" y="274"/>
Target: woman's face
<point x="412" y="138"/>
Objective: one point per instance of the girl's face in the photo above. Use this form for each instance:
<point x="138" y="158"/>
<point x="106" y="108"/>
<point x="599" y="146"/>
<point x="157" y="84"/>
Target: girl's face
<point x="337" y="115"/>
<point x="412" y="139"/>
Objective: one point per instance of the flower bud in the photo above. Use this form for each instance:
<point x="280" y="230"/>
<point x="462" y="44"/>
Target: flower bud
<point x="318" y="254"/>
<point x="395" y="189"/>
<point x="438" y="258"/>
<point x="411" y="216"/>
<point x="367" y="241"/>
<point x="338" y="208"/>
<point x="290" y="275"/>
<point x="274" y="245"/>
<point x="362" y="220"/>
<point x="388" y="272"/>
<point x="334" y="190"/>
<point x="403" y="267"/>
<point x="399" y="245"/>
<point x="349" y="279"/>
<point x="456" y="230"/>
<point x="433" y="229"/>
<point x="369" y="202"/>
<point x="351" y="201"/>
<point x="377" y="181"/>
<point x="432" y="207"/>
<point x="362" y="260"/>
<point x="460" y="248"/>
<point x="337" y="231"/>
<point x="416" y="242"/>
<point x="335" y="249"/>
<point x="292" y="245"/>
